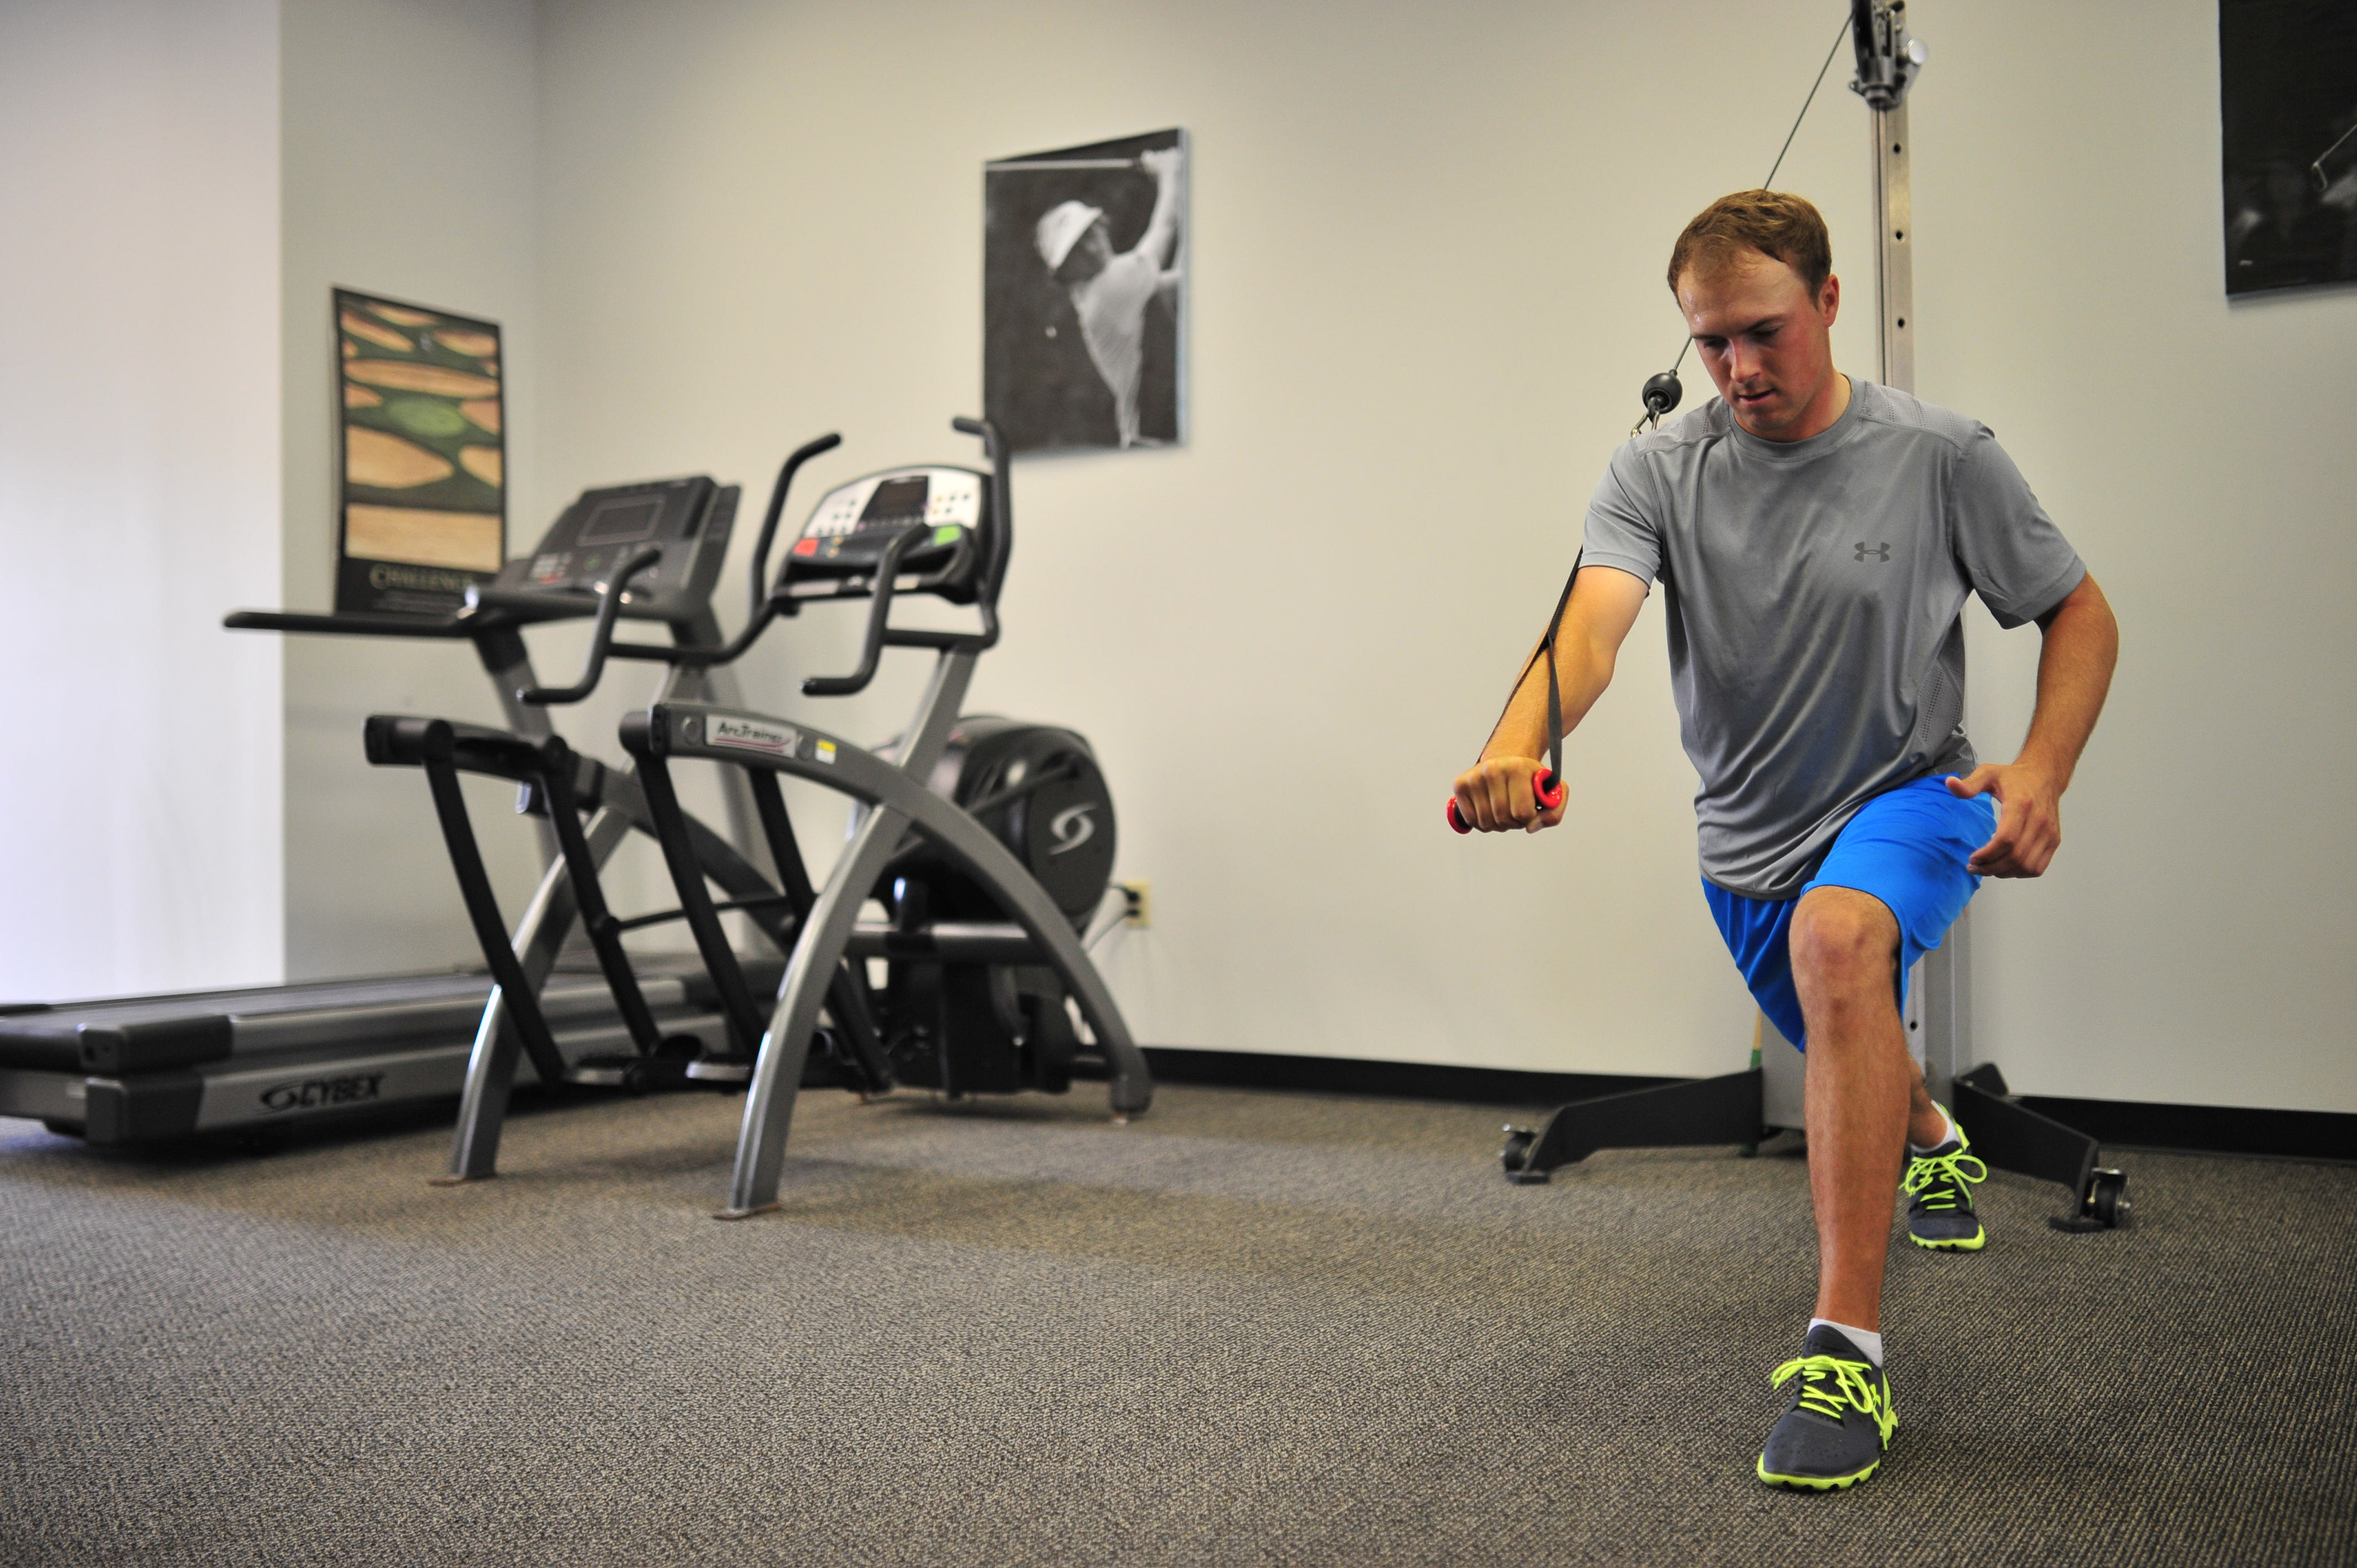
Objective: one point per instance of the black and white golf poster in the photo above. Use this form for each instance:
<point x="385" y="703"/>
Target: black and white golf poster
<point x="1084" y="295"/>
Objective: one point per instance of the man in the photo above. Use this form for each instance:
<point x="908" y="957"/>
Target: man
<point x="1815" y="538"/>
<point x="1109" y="292"/>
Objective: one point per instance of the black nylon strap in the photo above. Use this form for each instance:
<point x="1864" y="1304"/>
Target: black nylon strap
<point x="1555" y="692"/>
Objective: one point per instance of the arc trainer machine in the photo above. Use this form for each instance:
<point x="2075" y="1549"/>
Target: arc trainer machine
<point x="988" y="842"/>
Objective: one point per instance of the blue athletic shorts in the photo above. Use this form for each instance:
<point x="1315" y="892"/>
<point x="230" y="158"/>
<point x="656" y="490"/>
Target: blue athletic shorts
<point x="1907" y="848"/>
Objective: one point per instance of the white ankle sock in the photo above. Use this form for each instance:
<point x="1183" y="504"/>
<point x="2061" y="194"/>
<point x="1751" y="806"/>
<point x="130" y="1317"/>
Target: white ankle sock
<point x="1947" y="1122"/>
<point x="1864" y="1340"/>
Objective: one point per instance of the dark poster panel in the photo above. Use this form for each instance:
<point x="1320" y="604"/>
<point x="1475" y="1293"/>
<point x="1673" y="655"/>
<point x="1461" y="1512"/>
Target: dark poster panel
<point x="421" y="460"/>
<point x="2287" y="71"/>
<point x="1084" y="295"/>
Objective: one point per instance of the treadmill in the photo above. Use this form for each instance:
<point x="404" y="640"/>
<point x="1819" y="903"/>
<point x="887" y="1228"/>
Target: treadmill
<point x="252" y="1060"/>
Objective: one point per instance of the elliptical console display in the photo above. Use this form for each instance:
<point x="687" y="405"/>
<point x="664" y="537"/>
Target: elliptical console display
<point x="854" y="525"/>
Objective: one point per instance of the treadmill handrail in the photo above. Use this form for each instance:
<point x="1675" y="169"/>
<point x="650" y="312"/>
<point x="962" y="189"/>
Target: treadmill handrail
<point x="349" y="623"/>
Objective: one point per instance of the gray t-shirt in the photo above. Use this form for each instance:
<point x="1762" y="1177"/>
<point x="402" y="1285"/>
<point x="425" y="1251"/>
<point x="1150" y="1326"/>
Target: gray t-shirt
<point x="1815" y="595"/>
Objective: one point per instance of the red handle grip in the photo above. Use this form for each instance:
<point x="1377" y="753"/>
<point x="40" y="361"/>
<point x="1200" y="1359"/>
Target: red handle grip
<point x="1543" y="783"/>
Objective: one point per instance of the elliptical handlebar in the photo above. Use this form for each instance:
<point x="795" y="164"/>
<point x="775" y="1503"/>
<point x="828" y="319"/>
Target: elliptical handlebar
<point x="879" y="611"/>
<point x="1002" y="516"/>
<point x="763" y="609"/>
<point x="601" y="635"/>
<point x="803" y="454"/>
<point x="768" y="604"/>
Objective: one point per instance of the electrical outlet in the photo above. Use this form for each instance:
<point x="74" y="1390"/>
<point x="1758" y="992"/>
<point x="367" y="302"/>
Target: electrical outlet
<point x="1137" y="903"/>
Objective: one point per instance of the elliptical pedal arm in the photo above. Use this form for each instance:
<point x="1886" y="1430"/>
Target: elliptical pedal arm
<point x="601" y="635"/>
<point x="846" y="999"/>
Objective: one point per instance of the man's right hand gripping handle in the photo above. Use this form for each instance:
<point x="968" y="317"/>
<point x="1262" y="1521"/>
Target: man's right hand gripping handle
<point x="1516" y="791"/>
<point x="1506" y="792"/>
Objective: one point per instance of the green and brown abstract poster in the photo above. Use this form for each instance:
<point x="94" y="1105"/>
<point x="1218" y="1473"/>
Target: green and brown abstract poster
<point x="422" y="460"/>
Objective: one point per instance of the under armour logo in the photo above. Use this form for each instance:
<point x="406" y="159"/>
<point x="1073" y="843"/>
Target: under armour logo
<point x="1881" y="552"/>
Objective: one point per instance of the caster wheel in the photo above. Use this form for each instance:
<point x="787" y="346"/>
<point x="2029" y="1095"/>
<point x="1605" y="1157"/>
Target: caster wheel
<point x="1518" y="1147"/>
<point x="2105" y="1207"/>
<point x="2109" y="1202"/>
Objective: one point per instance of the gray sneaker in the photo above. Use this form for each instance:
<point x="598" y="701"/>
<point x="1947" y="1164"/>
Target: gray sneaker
<point x="1939" y="1188"/>
<point x="1839" y="1424"/>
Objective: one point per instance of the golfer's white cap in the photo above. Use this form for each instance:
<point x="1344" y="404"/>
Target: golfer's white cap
<point x="1062" y="228"/>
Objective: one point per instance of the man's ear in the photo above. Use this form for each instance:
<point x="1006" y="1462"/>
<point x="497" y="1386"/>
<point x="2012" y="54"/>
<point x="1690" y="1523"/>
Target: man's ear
<point x="1829" y="297"/>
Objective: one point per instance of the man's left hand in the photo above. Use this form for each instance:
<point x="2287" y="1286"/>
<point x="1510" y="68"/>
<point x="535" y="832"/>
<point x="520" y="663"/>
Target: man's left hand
<point x="2029" y="825"/>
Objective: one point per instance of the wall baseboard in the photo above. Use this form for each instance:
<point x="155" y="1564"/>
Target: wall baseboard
<point x="2115" y="1123"/>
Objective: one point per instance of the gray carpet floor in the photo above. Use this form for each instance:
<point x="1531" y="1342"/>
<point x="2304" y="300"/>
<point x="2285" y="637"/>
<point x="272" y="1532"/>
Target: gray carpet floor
<point x="1248" y="1329"/>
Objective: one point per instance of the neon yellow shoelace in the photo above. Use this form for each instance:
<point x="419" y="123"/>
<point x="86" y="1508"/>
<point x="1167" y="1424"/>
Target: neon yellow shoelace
<point x="1939" y="1179"/>
<point x="1828" y="1382"/>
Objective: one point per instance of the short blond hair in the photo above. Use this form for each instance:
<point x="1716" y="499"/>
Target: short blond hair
<point x="1772" y="223"/>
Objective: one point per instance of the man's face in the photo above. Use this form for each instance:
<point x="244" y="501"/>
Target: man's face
<point x="1768" y="346"/>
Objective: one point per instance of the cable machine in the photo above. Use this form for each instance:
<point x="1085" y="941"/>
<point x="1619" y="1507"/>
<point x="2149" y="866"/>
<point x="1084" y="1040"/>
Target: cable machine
<point x="1740" y="1108"/>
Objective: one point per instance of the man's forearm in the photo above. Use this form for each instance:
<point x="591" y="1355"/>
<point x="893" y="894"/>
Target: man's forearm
<point x="2074" y="675"/>
<point x="1603" y="605"/>
<point x="1582" y="671"/>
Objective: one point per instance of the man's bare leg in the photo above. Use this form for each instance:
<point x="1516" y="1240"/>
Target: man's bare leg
<point x="1860" y="1101"/>
<point x="1864" y="1096"/>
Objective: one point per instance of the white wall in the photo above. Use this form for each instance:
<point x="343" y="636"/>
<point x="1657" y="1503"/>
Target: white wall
<point x="409" y="134"/>
<point x="1419" y="321"/>
<point x="1426" y="247"/>
<point x="2193" y="942"/>
<point x="139" y="782"/>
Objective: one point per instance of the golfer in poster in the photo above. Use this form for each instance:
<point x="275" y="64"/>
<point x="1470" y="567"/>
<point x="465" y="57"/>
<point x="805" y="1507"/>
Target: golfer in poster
<point x="1110" y="291"/>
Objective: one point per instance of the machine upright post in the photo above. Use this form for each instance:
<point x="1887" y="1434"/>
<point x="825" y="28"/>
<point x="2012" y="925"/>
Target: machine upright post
<point x="1940" y="996"/>
<point x="1894" y="275"/>
<point x="1944" y="1005"/>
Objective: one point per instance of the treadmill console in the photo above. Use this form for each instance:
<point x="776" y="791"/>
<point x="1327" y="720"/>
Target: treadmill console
<point x="853" y="523"/>
<point x="688" y="520"/>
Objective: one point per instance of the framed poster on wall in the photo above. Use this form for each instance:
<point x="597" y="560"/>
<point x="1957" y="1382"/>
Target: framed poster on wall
<point x="2287" y="75"/>
<point x="1084" y="295"/>
<point x="421" y="461"/>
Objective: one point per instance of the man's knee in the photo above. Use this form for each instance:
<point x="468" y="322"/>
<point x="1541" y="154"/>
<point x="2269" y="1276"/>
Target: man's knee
<point x="1842" y="939"/>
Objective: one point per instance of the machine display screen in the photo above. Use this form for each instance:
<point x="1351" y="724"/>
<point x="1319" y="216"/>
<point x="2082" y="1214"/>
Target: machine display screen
<point x="625" y="520"/>
<point x="895" y="501"/>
